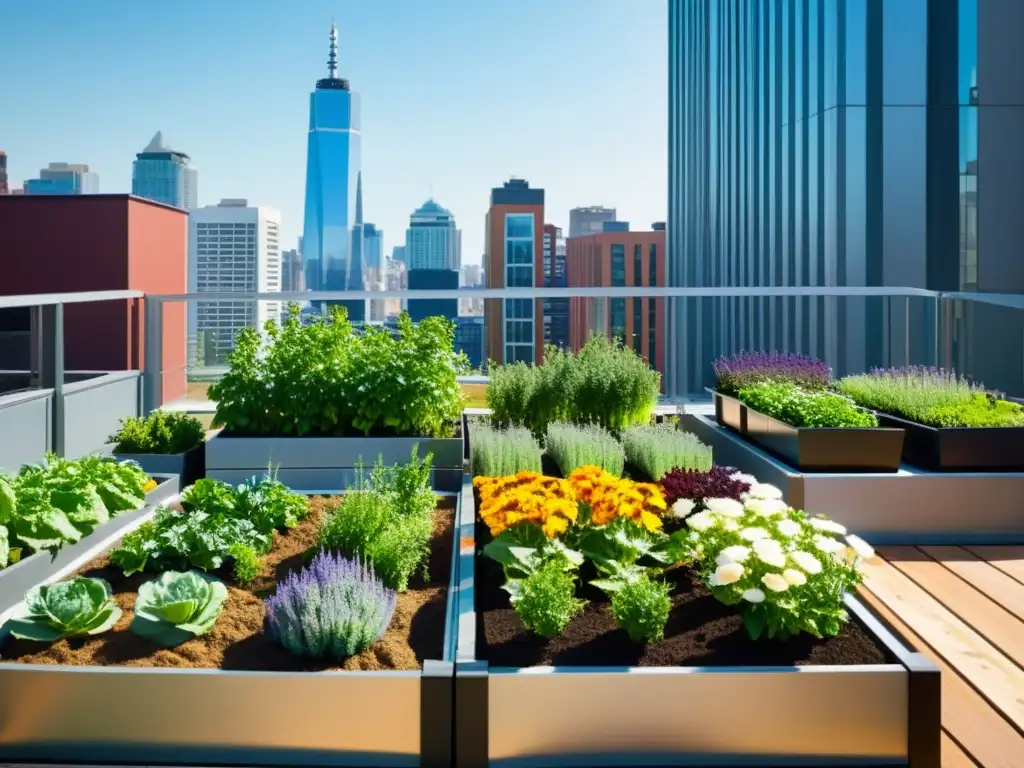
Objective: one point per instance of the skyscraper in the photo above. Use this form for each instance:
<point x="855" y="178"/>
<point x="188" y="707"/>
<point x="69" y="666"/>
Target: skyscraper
<point x="332" y="235"/>
<point x="373" y="247"/>
<point x="588" y="220"/>
<point x="4" y="189"/>
<point x="163" y="174"/>
<point x="432" y="240"/>
<point x="64" y="179"/>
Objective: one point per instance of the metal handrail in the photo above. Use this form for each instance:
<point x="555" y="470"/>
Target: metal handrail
<point x="78" y="297"/>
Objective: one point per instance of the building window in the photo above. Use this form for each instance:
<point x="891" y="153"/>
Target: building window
<point x="638" y="324"/>
<point x="652" y="265"/>
<point x="638" y="268"/>
<point x="619" y="265"/>
<point x="618" y="320"/>
<point x="519" y="326"/>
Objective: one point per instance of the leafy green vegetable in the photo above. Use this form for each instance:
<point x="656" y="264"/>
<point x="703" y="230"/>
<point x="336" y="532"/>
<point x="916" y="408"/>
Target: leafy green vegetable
<point x="523" y="549"/>
<point x="247" y="564"/>
<point x="7" y="499"/>
<point x="5" y="547"/>
<point x="622" y="551"/>
<point x="162" y="432"/>
<point x="67" y="609"/>
<point x="177" y="607"/>
<point x="641" y="607"/>
<point x="797" y="407"/>
<point x="546" y="600"/>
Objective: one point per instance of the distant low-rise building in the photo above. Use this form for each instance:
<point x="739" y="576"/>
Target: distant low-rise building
<point x="64" y="179"/>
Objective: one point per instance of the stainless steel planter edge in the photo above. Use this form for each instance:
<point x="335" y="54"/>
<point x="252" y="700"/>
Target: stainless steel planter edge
<point x="188" y="466"/>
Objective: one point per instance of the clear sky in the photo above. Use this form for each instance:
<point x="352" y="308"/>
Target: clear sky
<point x="457" y="95"/>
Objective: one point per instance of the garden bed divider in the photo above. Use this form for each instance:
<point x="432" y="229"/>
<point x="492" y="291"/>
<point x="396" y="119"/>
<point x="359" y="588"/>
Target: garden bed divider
<point x="189" y="466"/>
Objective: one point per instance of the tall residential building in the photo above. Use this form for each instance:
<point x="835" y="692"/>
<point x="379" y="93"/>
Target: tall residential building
<point x="291" y="271"/>
<point x="588" y="220"/>
<point x="398" y="253"/>
<point x="817" y="143"/>
<point x="556" y="311"/>
<point x="233" y="247"/>
<point x="4" y="189"/>
<point x="163" y="174"/>
<point x="432" y="240"/>
<point x="332" y="234"/>
<point x="64" y="179"/>
<point x="620" y="259"/>
<point x="514" y="258"/>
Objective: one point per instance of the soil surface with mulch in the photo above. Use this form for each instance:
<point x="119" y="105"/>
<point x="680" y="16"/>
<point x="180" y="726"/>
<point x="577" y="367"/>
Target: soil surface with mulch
<point x="701" y="632"/>
<point x="236" y="640"/>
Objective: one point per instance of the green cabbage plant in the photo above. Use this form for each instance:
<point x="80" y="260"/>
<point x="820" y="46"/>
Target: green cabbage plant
<point x="177" y="607"/>
<point x="68" y="609"/>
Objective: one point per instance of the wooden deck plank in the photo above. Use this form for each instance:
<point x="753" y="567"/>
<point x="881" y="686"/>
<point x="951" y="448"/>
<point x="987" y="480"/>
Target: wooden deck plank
<point x="996" y="677"/>
<point x="988" y="738"/>
<point x="986" y="617"/>
<point x="1008" y="559"/>
<point x="953" y="756"/>
<point x="981" y="575"/>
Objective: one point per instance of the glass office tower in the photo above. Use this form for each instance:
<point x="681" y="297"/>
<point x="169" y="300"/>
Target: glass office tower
<point x="332" y="237"/>
<point x="165" y="175"/>
<point x="840" y="143"/>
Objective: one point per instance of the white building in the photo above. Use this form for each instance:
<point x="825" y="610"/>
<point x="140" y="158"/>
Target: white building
<point x="432" y="241"/>
<point x="232" y="247"/>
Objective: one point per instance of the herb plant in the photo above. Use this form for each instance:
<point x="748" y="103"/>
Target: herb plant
<point x="322" y="378"/>
<point x="246" y="564"/>
<point x="501" y="452"/>
<point x="641" y="607"/>
<point x="932" y="397"/>
<point x="162" y="432"/>
<point x="805" y="408"/>
<point x="572" y="447"/>
<point x="546" y="600"/>
<point x="72" y="608"/>
<point x="745" y="368"/>
<point x="656" y="449"/>
<point x="177" y="607"/>
<point x="333" y="608"/>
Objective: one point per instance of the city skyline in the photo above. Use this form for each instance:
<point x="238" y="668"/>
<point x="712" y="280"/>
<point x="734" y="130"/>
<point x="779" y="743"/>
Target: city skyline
<point x="238" y="103"/>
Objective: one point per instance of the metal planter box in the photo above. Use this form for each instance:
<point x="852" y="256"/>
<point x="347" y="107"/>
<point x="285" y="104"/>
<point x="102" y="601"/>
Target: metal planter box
<point x="326" y="464"/>
<point x="17" y="579"/>
<point x="885" y="714"/>
<point x="960" y="449"/>
<point x="152" y="716"/>
<point x="188" y="466"/>
<point x="729" y="411"/>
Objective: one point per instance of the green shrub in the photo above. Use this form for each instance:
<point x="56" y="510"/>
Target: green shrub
<point x="641" y="607"/>
<point x="502" y="452"/>
<point x="546" y="600"/>
<point x="162" y="432"/>
<point x="932" y="397"/>
<point x="659" y="448"/>
<point x="605" y="383"/>
<point x="572" y="446"/>
<point x="385" y="519"/>
<point x="246" y="565"/>
<point x="801" y="408"/>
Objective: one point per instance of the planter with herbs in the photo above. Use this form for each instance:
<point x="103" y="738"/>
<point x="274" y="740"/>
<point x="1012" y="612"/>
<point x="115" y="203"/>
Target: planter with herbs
<point x="163" y="443"/>
<point x="951" y="424"/>
<point x="312" y="400"/>
<point x="55" y="512"/>
<point x="595" y="594"/>
<point x="249" y="625"/>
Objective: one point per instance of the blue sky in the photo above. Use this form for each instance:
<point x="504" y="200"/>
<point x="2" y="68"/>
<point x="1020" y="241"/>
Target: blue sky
<point x="457" y="95"/>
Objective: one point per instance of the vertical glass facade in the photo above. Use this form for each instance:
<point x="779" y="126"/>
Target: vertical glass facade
<point x="519" y="328"/>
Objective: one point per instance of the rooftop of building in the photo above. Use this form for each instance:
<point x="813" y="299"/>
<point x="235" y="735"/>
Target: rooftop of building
<point x="158" y="146"/>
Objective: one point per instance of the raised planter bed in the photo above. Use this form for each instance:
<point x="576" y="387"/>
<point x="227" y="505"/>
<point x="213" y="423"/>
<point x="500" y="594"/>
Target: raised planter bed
<point x="326" y="464"/>
<point x="17" y="579"/>
<point x="960" y="449"/>
<point x="233" y="697"/>
<point x="705" y="695"/>
<point x="188" y="466"/>
<point x="729" y="411"/>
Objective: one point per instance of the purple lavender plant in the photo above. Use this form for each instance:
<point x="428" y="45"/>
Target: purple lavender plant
<point x="333" y="607"/>
<point x="735" y="372"/>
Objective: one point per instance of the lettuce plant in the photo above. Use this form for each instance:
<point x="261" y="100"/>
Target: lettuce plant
<point x="162" y="432"/>
<point x="177" y="607"/>
<point x="68" y="609"/>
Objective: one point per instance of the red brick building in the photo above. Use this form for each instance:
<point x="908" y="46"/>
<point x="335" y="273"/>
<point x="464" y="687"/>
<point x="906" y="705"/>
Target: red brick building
<point x="69" y="243"/>
<point x="618" y="259"/>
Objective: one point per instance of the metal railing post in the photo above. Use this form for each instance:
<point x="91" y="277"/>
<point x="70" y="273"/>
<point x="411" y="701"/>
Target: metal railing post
<point x="906" y="330"/>
<point x="51" y="369"/>
<point x="153" y="358"/>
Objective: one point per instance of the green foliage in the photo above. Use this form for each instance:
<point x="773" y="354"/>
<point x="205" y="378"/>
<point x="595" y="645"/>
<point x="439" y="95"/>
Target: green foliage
<point x="659" y="448"/>
<point x="523" y="549"/>
<point x="621" y="551"/>
<point x="385" y="519"/>
<point x="177" y="607"/>
<point x="162" y="432"/>
<point x="213" y="518"/>
<point x="322" y="378"/>
<point x="5" y="547"/>
<point x="502" y="452"/>
<point x="641" y="607"/>
<point x="931" y="397"/>
<point x="802" y="408"/>
<point x="605" y="383"/>
<point x="546" y="600"/>
<point x="72" y="608"/>
<point x="246" y="564"/>
<point x="573" y="446"/>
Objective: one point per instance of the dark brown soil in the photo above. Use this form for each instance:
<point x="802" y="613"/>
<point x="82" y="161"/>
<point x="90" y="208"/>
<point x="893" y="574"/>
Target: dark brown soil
<point x="701" y="632"/>
<point x="237" y="640"/>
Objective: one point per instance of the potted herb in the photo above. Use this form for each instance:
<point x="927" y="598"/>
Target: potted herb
<point x="315" y="398"/>
<point x="165" y="443"/>
<point x="951" y="423"/>
<point x="656" y="449"/>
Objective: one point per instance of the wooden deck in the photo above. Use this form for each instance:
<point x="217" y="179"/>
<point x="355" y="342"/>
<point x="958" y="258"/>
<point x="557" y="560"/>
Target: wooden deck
<point x="964" y="608"/>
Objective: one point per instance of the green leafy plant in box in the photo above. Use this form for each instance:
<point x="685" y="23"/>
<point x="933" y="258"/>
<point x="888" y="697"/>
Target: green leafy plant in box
<point x="161" y="432"/>
<point x="501" y="452"/>
<point x="177" y="607"/>
<point x="573" y="446"/>
<point x="803" y="408"/>
<point x="657" y="449"/>
<point x="72" y="608"/>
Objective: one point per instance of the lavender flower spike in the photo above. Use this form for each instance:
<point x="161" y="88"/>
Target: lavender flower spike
<point x="334" y="607"/>
<point x="734" y="373"/>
